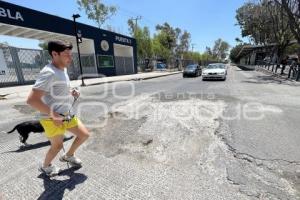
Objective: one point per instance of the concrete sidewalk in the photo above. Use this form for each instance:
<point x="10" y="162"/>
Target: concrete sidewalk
<point x="24" y="89"/>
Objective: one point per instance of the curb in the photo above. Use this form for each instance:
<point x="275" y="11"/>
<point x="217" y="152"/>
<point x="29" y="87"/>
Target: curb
<point x="23" y="88"/>
<point x="133" y="79"/>
<point x="146" y="78"/>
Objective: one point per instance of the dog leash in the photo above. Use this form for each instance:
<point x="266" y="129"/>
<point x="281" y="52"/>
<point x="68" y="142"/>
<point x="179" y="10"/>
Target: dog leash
<point x="69" y="118"/>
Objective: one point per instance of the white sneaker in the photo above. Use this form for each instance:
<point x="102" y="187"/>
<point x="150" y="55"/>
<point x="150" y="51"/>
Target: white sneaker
<point x="51" y="170"/>
<point x="71" y="159"/>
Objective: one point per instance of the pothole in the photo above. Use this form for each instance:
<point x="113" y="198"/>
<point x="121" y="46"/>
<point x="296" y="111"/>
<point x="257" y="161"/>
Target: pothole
<point x="117" y="136"/>
<point x="187" y="135"/>
<point x="173" y="133"/>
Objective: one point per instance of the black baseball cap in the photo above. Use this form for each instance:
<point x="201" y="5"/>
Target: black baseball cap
<point x="58" y="46"/>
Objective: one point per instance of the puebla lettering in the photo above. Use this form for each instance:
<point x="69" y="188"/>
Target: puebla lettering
<point x="122" y="39"/>
<point x="11" y="15"/>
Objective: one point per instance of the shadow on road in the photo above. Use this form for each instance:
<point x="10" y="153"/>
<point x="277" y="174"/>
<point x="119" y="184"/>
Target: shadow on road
<point x="270" y="79"/>
<point x="34" y="146"/>
<point x="55" y="189"/>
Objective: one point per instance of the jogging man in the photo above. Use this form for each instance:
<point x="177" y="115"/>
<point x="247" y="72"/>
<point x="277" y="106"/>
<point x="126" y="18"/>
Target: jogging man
<point x="51" y="95"/>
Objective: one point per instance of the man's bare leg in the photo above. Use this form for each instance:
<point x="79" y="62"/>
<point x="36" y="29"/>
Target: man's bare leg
<point x="56" y="146"/>
<point x="82" y="134"/>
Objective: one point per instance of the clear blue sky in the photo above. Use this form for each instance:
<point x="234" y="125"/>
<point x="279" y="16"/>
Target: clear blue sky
<point x="206" y="20"/>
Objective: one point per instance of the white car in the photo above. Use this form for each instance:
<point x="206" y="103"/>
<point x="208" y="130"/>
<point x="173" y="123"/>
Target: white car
<point x="214" y="71"/>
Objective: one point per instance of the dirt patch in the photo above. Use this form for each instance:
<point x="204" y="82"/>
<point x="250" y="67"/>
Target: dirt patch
<point x="118" y="135"/>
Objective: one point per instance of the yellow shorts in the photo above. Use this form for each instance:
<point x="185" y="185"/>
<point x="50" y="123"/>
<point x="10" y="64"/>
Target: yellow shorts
<point x="52" y="130"/>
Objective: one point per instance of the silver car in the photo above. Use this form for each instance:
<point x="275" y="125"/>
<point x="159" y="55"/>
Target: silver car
<point x="214" y="71"/>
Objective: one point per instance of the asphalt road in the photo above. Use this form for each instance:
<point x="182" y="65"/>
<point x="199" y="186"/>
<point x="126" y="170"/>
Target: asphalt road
<point x="169" y="138"/>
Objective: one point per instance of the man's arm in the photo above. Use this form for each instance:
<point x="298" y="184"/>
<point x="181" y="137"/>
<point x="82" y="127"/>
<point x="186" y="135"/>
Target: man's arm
<point x="35" y="100"/>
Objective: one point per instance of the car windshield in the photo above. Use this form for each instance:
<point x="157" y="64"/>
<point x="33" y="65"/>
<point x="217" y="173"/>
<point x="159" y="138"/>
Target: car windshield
<point x="215" y="66"/>
<point x="191" y="66"/>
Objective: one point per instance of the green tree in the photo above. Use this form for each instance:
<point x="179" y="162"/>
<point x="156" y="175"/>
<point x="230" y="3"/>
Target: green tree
<point x="208" y="51"/>
<point x="220" y="49"/>
<point x="238" y="40"/>
<point x="266" y="23"/>
<point x="169" y="42"/>
<point x="292" y="48"/>
<point x="96" y="10"/>
<point x="196" y="56"/>
<point x="132" y="27"/>
<point x="160" y="46"/>
<point x="233" y="56"/>
<point x="218" y="52"/>
<point x="170" y="36"/>
<point x="292" y="9"/>
<point x="207" y="56"/>
<point x="254" y="23"/>
<point x="43" y="45"/>
<point x="281" y="32"/>
<point x="143" y="39"/>
<point x="184" y="43"/>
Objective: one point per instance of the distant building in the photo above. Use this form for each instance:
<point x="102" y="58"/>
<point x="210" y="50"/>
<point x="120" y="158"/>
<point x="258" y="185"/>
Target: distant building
<point x="114" y="54"/>
<point x="253" y="54"/>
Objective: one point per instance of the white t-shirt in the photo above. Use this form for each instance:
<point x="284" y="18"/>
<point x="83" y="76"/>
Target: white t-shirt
<point x="56" y="83"/>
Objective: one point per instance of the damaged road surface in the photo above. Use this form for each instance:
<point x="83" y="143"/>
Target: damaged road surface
<point x="182" y="140"/>
<point x="173" y="139"/>
<point x="171" y="146"/>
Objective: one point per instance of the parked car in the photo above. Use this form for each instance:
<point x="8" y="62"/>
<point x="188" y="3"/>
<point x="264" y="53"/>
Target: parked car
<point x="192" y="70"/>
<point x="214" y="71"/>
<point x="161" y="66"/>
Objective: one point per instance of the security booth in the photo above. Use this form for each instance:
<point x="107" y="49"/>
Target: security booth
<point x="101" y="51"/>
<point x="256" y="54"/>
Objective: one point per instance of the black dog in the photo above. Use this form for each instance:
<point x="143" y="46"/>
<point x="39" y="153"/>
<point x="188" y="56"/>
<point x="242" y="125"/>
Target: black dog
<point x="27" y="127"/>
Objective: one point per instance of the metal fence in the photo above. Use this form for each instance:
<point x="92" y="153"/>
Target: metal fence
<point x="20" y="66"/>
<point x="290" y="70"/>
<point x="124" y="65"/>
<point x="150" y="64"/>
<point x="172" y="64"/>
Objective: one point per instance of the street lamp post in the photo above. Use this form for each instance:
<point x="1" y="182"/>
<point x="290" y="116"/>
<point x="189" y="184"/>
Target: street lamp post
<point x="75" y="16"/>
